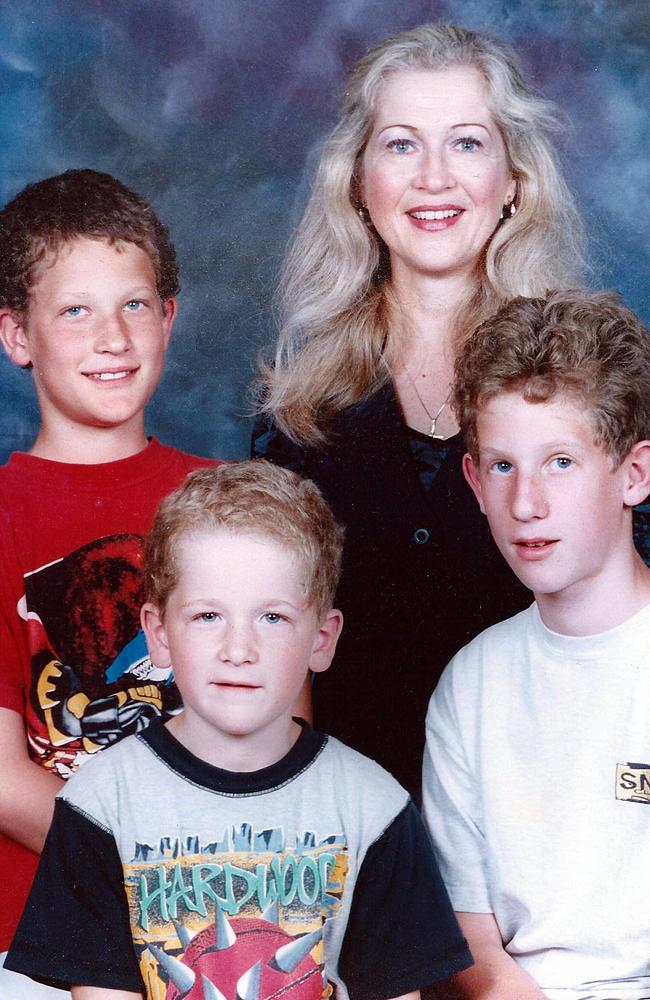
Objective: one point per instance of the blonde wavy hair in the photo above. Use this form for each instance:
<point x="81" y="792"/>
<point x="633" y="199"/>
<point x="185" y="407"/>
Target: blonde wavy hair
<point x="335" y="298"/>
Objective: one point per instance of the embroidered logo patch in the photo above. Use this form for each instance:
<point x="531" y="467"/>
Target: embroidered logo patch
<point x="633" y="782"/>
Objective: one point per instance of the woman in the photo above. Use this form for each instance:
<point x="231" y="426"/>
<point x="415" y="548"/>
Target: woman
<point x="437" y="198"/>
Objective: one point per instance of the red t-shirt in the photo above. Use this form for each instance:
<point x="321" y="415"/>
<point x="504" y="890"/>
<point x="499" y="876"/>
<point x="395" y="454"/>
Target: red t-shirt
<point x="73" y="659"/>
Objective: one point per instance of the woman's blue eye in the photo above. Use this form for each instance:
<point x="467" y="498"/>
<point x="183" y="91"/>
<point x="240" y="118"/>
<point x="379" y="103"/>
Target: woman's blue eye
<point x="74" y="311"/>
<point x="563" y="462"/>
<point x="468" y="144"/>
<point x="400" y="145"/>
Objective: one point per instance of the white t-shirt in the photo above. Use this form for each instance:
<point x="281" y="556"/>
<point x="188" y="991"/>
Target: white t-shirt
<point x="537" y="797"/>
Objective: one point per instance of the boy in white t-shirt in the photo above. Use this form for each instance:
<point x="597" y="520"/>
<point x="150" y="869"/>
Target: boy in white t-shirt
<point x="537" y="767"/>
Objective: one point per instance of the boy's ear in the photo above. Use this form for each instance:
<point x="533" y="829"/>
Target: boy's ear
<point x="324" y="646"/>
<point x="170" y="310"/>
<point x="470" y="471"/>
<point x="636" y="484"/>
<point x="156" y="635"/>
<point x="14" y="338"/>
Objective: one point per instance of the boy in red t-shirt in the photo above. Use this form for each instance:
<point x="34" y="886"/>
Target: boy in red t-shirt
<point x="88" y="280"/>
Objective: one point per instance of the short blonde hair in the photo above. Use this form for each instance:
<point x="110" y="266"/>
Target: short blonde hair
<point x="251" y="496"/>
<point x="587" y="345"/>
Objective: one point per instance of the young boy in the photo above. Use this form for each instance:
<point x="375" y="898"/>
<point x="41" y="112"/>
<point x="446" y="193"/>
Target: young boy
<point x="88" y="277"/>
<point x="233" y="851"/>
<point x="538" y="746"/>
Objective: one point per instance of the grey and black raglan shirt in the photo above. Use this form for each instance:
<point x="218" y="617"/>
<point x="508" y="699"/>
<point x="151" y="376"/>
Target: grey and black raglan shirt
<point x="167" y="876"/>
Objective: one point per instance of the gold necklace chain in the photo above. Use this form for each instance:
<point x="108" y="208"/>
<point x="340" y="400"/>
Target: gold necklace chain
<point x="433" y="417"/>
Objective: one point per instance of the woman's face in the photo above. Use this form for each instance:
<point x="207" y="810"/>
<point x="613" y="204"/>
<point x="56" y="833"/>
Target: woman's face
<point x="435" y="172"/>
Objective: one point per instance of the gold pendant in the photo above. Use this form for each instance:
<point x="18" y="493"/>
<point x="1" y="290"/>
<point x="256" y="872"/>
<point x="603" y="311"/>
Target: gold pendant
<point x="432" y="432"/>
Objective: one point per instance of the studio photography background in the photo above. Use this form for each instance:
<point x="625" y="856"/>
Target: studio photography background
<point x="214" y="110"/>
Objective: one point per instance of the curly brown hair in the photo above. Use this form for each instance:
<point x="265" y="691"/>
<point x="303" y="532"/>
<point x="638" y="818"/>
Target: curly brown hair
<point x="253" y="497"/>
<point x="587" y="345"/>
<point x="77" y="203"/>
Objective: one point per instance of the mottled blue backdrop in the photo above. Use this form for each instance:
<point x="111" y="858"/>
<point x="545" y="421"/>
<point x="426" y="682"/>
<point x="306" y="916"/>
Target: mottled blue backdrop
<point x="214" y="110"/>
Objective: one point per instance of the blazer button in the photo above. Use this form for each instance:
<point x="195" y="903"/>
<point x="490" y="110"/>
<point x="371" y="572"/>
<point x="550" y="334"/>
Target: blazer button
<point x="420" y="536"/>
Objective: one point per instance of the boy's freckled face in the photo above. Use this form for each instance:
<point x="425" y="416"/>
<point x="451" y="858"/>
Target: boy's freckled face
<point x="239" y="634"/>
<point x="553" y="498"/>
<point x="96" y="334"/>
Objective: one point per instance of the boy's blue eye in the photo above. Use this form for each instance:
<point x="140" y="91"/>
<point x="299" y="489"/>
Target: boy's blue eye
<point x="74" y="311"/>
<point x="563" y="462"/>
<point x="208" y="616"/>
<point x="272" y="617"/>
<point x="502" y="466"/>
<point x="133" y="305"/>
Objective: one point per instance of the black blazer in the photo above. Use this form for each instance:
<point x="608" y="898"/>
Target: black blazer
<point x="421" y="577"/>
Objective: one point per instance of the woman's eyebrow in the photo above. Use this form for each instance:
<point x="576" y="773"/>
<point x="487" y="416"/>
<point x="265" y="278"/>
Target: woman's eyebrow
<point x="416" y="128"/>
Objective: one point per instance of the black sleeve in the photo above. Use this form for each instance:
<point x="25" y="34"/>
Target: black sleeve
<point x="75" y="928"/>
<point x="269" y="442"/>
<point x="402" y="934"/>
